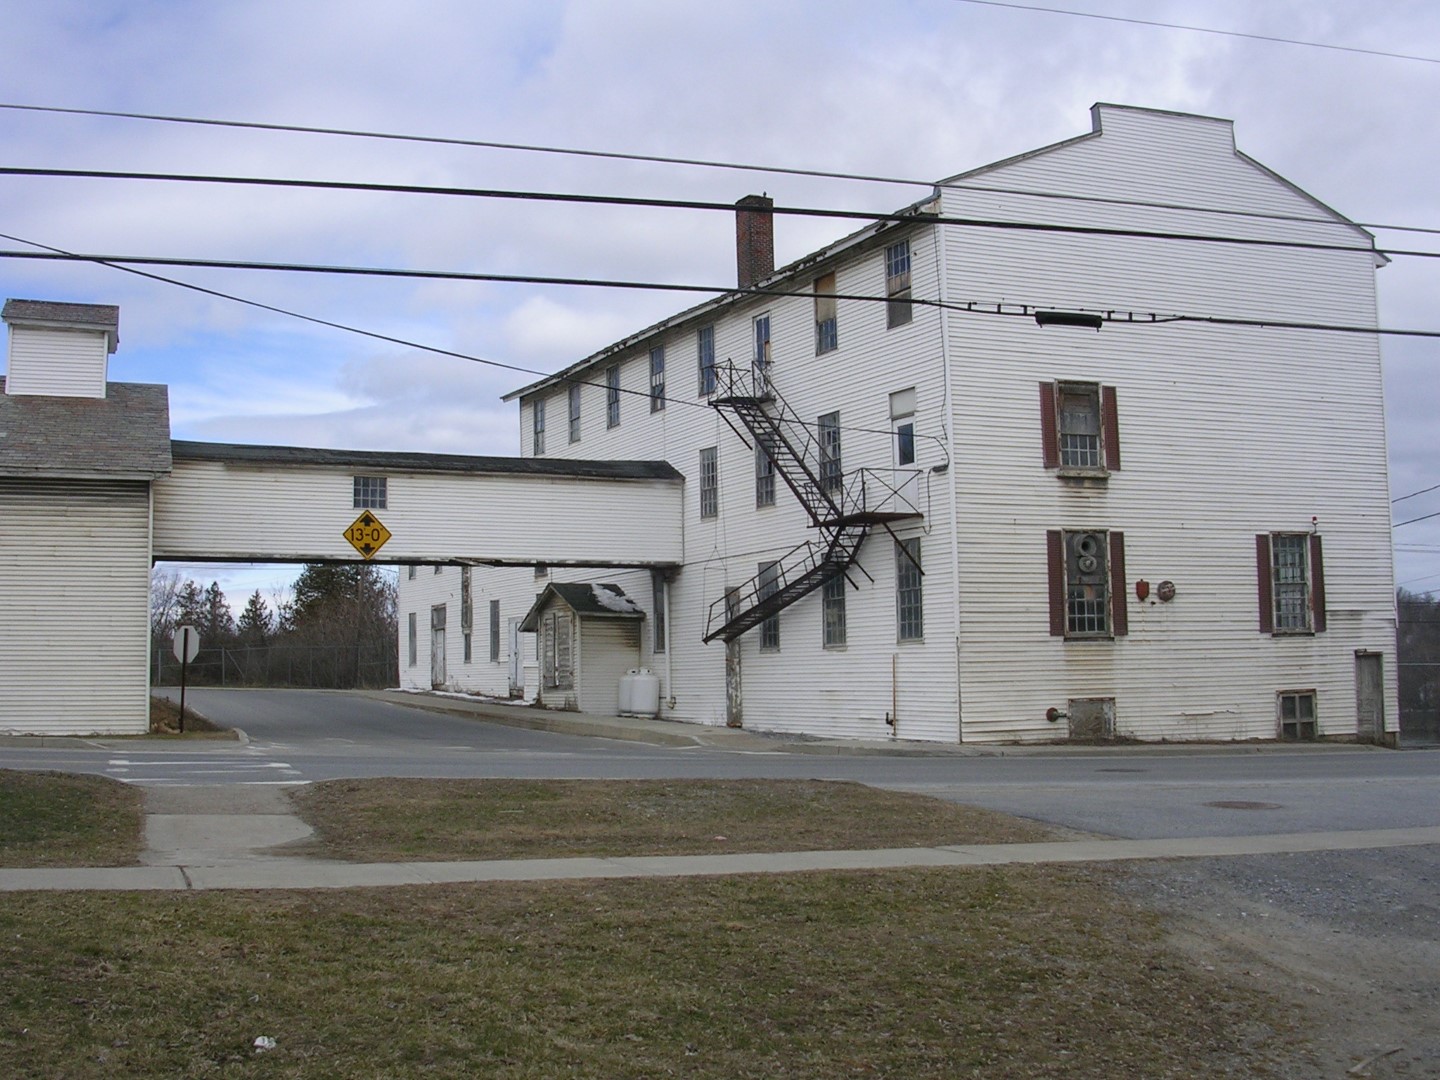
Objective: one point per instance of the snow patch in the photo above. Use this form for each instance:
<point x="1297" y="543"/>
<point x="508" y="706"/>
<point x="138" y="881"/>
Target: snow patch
<point x="614" y="601"/>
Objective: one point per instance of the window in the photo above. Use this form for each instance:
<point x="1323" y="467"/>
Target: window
<point x="414" y="638"/>
<point x="827" y="334"/>
<point x="657" y="594"/>
<point x="1079" y="427"/>
<point x="410" y="571"/>
<point x="902" y="423"/>
<point x="469" y="655"/>
<point x="760" y="363"/>
<point x="370" y="493"/>
<point x="831" y="475"/>
<point x="833" y="611"/>
<point x="1297" y="714"/>
<point x="657" y="378"/>
<point x="537" y="415"/>
<point x="1291" y="578"/>
<point x="439" y="569"/>
<point x="575" y="412"/>
<point x="1087" y="584"/>
<point x="909" y="605"/>
<point x="769" y="586"/>
<point x="467" y="611"/>
<point x="494" y="631"/>
<point x="705" y="357"/>
<point x="897" y="284"/>
<point x="542" y="570"/>
<point x="764" y="473"/>
<point x="612" y="396"/>
<point x="556" y="656"/>
<point x="709" y="483"/>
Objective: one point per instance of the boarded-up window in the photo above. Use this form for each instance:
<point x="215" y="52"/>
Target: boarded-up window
<point x="827" y="332"/>
<point x="556" y="654"/>
<point x="1087" y="584"/>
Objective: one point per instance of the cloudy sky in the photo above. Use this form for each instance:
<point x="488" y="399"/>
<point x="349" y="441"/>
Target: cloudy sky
<point x="906" y="88"/>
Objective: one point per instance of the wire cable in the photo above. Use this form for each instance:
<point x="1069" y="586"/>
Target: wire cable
<point x="777" y="170"/>
<point x="1422" y="491"/>
<point x="1412" y="521"/>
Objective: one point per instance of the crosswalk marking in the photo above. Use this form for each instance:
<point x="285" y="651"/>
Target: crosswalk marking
<point x="184" y="771"/>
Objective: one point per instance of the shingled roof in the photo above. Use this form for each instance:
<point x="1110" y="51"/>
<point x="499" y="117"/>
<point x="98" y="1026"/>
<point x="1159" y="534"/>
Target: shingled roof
<point x="589" y="601"/>
<point x="104" y="317"/>
<point x="122" y="436"/>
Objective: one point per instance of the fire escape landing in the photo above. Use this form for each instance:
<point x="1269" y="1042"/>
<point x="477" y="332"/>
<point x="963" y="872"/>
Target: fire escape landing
<point x="843" y="507"/>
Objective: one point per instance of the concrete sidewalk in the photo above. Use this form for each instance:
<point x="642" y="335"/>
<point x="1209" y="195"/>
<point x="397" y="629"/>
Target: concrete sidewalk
<point x="272" y="872"/>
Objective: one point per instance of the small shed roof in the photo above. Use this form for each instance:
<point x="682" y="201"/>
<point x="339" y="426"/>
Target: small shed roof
<point x="104" y="317"/>
<point x="588" y="600"/>
<point x="122" y="436"/>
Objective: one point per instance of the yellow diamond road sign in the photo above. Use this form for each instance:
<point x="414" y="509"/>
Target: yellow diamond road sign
<point x="367" y="535"/>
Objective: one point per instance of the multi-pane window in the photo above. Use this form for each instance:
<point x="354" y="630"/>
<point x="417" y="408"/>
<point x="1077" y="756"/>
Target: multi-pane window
<point x="370" y="493"/>
<point x="705" y="358"/>
<point x="897" y="284"/>
<point x="657" y="378"/>
<point x="537" y="414"/>
<point x="902" y="423"/>
<point x="827" y="332"/>
<point x="1291" y="564"/>
<point x="769" y="586"/>
<point x="413" y="637"/>
<point x="657" y="593"/>
<point x="709" y="482"/>
<point x="760" y="362"/>
<point x="1079" y="417"/>
<point x="1297" y="714"/>
<point x="612" y="396"/>
<point x="467" y="611"/>
<point x="909" y="605"/>
<point x="828" y="437"/>
<point x="833" y="611"/>
<point x="764" y="474"/>
<point x="1087" y="585"/>
<point x="575" y="412"/>
<point x="494" y="631"/>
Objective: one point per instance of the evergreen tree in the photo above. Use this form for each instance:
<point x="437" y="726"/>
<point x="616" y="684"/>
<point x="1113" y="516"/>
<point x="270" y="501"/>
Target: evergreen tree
<point x="190" y="605"/>
<point x="255" y="625"/>
<point x="218" y="624"/>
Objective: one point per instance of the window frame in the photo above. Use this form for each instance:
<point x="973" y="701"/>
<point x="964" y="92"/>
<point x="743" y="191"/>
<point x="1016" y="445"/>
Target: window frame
<point x="369" y="492"/>
<point x="768" y="586"/>
<point x="761" y="356"/>
<point x="902" y="428"/>
<point x="659" y="595"/>
<point x="412" y="626"/>
<point x="1058" y="546"/>
<point x="612" y="396"/>
<point x="705" y="358"/>
<point x="494" y="631"/>
<point x="898" y="309"/>
<point x="764" y="475"/>
<point x="909" y="590"/>
<point x="657" y="379"/>
<point x="832" y="612"/>
<point x="827" y="322"/>
<point x="537" y="427"/>
<point x="1052" y="433"/>
<point x="1272" y="592"/>
<point x="709" y="486"/>
<point x="574" y="412"/>
<point x="828" y="450"/>
<point x="1299" y="722"/>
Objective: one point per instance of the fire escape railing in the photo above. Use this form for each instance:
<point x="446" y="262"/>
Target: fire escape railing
<point x="842" y="507"/>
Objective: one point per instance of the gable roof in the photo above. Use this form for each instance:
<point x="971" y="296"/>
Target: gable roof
<point x="588" y="600"/>
<point x="122" y="436"/>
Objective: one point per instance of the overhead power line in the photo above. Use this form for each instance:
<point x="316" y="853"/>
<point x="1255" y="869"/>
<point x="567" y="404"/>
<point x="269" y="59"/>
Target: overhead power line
<point x="1010" y="309"/>
<point x="1203" y="30"/>
<point x="1412" y="521"/>
<point x="1422" y="491"/>
<point x="904" y="216"/>
<point x="733" y="166"/>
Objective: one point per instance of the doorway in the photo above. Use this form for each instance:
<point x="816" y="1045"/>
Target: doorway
<point x="437" y="647"/>
<point x="1369" y="697"/>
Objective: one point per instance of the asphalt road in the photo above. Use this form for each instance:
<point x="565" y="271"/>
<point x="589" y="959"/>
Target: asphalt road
<point x="1136" y="792"/>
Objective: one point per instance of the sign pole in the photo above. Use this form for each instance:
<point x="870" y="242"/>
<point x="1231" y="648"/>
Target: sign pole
<point x="184" y="666"/>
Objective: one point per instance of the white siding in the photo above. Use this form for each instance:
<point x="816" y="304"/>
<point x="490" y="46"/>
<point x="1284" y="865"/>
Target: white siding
<point x="243" y="512"/>
<point x="57" y="362"/>
<point x="74" y="598"/>
<point x="605" y="650"/>
<point x="429" y="588"/>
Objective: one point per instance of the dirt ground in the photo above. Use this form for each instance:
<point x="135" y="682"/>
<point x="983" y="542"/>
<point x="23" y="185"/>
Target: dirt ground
<point x="1349" y="940"/>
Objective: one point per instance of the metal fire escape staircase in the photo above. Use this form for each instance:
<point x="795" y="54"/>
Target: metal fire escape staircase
<point x="842" y="508"/>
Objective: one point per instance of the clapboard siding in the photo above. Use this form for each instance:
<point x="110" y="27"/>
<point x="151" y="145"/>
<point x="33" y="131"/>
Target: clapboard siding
<point x="74" y="597"/>
<point x="217" y="510"/>
<point x="1226" y="432"/>
<point x="57" y="362"/>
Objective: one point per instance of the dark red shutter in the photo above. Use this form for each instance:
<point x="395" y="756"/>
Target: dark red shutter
<point x="1119" y="597"/>
<point x="1262" y="580"/>
<point x="1049" y="428"/>
<point x="1055" y="556"/>
<point x="1317" y="585"/>
<point x="1110" y="428"/>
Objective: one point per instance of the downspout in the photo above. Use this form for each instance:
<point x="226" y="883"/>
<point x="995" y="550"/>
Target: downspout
<point x="669" y="639"/>
<point x="951" y="473"/>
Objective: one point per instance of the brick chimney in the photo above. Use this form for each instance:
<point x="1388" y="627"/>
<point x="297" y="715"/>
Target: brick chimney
<point x="754" y="239"/>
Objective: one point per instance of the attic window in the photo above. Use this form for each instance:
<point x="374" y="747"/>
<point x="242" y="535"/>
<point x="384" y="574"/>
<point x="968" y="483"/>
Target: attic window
<point x="370" y="492"/>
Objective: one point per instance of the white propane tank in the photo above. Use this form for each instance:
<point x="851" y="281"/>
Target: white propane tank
<point x="645" y="693"/>
<point x="627" y="692"/>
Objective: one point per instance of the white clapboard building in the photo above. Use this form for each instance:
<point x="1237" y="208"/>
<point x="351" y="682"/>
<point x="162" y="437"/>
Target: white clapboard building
<point x="1063" y="450"/>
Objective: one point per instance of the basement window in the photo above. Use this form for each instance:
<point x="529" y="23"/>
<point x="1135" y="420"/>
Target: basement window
<point x="370" y="492"/>
<point x="1297" y="714"/>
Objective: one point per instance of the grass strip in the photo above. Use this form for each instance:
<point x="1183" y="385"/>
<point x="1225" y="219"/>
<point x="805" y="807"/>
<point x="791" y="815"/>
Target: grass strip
<point x="60" y="819"/>
<point x="1000" y="972"/>
<point x="400" y="819"/>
